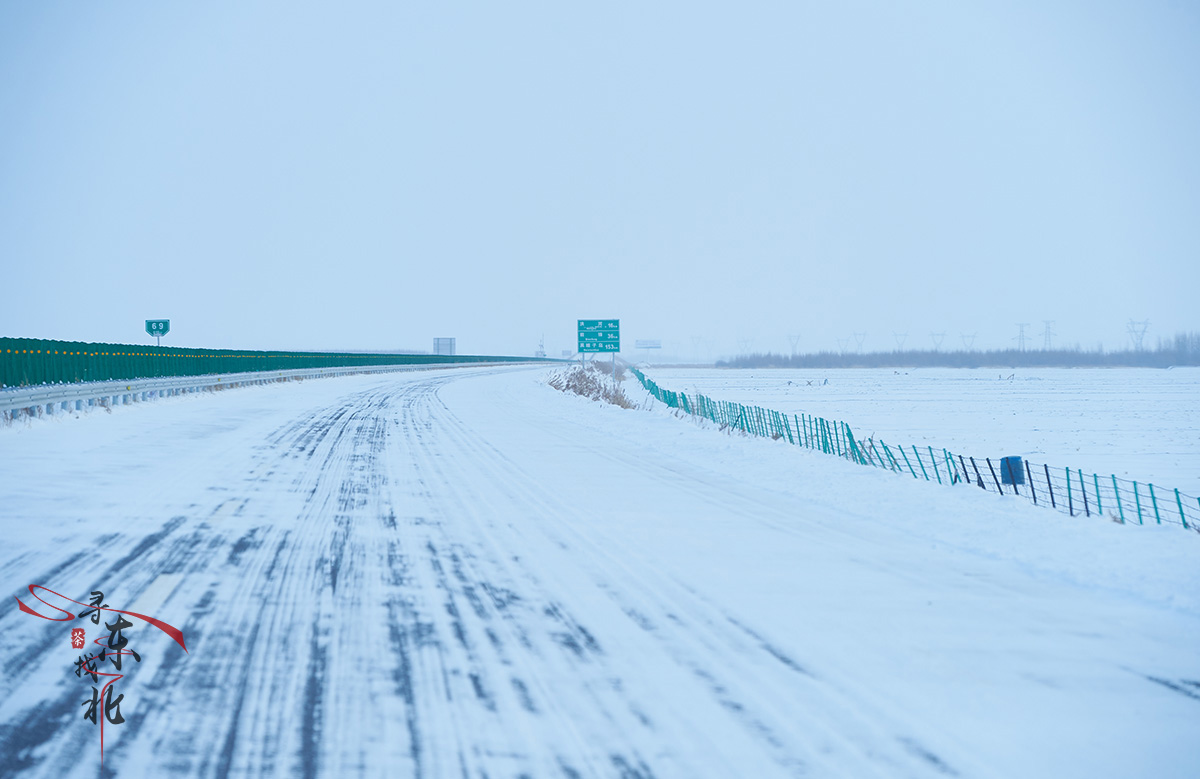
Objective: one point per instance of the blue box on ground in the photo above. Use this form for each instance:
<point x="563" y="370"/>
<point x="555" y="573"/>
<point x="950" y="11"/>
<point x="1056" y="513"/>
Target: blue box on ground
<point x="1012" y="471"/>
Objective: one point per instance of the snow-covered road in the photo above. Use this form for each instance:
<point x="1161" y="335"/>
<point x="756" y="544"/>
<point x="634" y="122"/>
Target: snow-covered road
<point x="466" y="573"/>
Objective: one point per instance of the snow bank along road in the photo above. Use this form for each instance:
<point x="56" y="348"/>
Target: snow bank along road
<point x="466" y="573"/>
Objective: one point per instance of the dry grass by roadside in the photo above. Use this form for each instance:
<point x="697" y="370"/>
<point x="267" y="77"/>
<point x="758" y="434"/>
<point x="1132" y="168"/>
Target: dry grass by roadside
<point x="591" y="382"/>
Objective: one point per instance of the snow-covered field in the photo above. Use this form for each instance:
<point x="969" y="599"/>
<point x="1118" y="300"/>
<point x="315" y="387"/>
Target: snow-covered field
<point x="467" y="573"/>
<point x="1139" y="424"/>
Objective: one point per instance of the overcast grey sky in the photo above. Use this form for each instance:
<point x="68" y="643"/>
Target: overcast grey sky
<point x="373" y="174"/>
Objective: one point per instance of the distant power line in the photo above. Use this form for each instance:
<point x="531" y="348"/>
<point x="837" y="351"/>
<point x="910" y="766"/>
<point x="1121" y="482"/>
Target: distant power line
<point x="1137" y="332"/>
<point x="1020" y="339"/>
<point x="1048" y="334"/>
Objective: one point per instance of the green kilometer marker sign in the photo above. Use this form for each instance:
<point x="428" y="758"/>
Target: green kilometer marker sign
<point x="158" y="328"/>
<point x="599" y="335"/>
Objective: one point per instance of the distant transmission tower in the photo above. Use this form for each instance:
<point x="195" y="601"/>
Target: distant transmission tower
<point x="1048" y="334"/>
<point x="841" y="342"/>
<point x="744" y="345"/>
<point x="937" y="340"/>
<point x="1137" y="332"/>
<point x="900" y="338"/>
<point x="1020" y="339"/>
<point x="968" y="340"/>
<point x="696" y="340"/>
<point x="860" y="337"/>
<point x="795" y="341"/>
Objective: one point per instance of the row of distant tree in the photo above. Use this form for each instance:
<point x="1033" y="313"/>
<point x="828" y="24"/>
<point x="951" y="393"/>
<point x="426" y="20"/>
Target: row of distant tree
<point x="1183" y="349"/>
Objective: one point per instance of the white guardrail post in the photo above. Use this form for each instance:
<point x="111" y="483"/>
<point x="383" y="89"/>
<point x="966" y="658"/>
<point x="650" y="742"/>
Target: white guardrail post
<point x="53" y="398"/>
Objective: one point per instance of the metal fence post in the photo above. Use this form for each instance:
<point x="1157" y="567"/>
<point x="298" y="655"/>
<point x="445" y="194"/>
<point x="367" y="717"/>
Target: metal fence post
<point x="1117" y="495"/>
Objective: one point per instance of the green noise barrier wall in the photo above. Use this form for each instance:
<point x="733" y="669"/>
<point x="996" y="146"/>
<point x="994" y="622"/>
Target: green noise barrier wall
<point x="29" y="361"/>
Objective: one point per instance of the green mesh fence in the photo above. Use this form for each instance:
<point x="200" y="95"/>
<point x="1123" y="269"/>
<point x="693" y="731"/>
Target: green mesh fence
<point x="1062" y="489"/>
<point x="30" y="361"/>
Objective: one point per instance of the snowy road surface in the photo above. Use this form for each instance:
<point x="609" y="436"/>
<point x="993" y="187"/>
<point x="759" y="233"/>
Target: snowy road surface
<point x="466" y="573"/>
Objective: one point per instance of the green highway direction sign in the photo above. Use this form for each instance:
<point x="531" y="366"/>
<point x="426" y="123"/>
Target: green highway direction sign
<point x="599" y="335"/>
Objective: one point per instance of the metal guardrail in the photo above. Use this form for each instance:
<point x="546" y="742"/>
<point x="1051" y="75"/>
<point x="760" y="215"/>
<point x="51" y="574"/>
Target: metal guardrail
<point x="61" y="398"/>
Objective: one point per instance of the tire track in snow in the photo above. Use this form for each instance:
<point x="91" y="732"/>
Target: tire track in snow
<point x="214" y="675"/>
<point x="384" y="592"/>
<point x="728" y="666"/>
